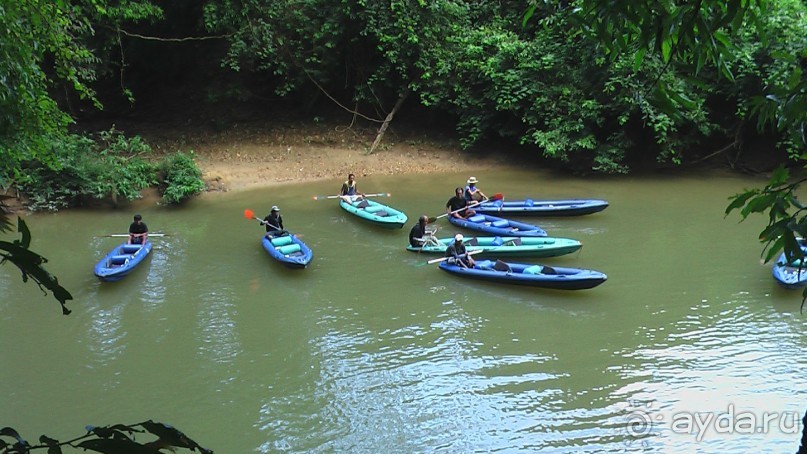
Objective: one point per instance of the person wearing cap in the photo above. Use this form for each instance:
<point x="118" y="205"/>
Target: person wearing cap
<point x="457" y="254"/>
<point x="455" y="205"/>
<point x="419" y="236"/>
<point x="349" y="191"/>
<point x="138" y="232"/>
<point x="274" y="223"/>
<point x="472" y="193"/>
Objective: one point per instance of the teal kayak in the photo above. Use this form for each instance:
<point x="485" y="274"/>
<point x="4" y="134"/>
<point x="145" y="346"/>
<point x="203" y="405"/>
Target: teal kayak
<point x="505" y="246"/>
<point x="376" y="213"/>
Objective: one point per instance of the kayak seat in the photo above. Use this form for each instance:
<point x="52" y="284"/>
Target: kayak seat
<point x="374" y="208"/>
<point x="281" y="241"/>
<point x="290" y="249"/>
<point x="119" y="259"/>
<point x="472" y="242"/>
<point x="501" y="266"/>
<point x="484" y="265"/>
<point x="535" y="269"/>
<point x="497" y="241"/>
<point x="380" y="213"/>
<point x="131" y="248"/>
<point x="477" y="218"/>
<point x="363" y="204"/>
<point x="514" y="242"/>
<point x="500" y="223"/>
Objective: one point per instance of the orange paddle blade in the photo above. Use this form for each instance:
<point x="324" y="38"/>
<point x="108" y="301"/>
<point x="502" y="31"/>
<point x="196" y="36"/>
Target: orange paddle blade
<point x="497" y="196"/>
<point x="249" y="214"/>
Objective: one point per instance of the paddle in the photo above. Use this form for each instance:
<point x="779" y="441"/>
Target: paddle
<point x="442" y="259"/>
<point x="497" y="196"/>
<point x="249" y="214"/>
<point x="378" y="194"/>
<point x="122" y="235"/>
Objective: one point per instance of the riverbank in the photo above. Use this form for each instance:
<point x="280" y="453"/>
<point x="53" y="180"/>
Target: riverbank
<point x="248" y="156"/>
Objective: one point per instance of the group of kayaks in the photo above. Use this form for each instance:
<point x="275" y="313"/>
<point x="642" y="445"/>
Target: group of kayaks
<point x="498" y="238"/>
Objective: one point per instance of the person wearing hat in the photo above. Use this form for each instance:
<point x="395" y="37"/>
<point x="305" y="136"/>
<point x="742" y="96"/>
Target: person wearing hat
<point x="457" y="254"/>
<point x="274" y="223"/>
<point x="472" y="193"/>
<point x="138" y="232"/>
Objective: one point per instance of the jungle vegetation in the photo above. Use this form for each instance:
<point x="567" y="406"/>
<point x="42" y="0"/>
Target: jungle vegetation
<point x="588" y="85"/>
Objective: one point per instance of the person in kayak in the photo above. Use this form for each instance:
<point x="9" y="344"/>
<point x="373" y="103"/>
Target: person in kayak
<point x="420" y="235"/>
<point x="456" y="204"/>
<point x="138" y="232"/>
<point x="350" y="191"/>
<point x="472" y="193"/>
<point x="274" y="223"/>
<point x="457" y="254"/>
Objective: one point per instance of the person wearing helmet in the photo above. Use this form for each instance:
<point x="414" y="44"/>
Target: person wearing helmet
<point x="274" y="223"/>
<point x="472" y="193"/>
<point x="457" y="254"/>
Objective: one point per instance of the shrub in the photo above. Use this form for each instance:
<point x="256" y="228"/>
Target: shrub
<point x="181" y="177"/>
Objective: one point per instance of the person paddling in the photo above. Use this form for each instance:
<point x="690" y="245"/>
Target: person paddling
<point x="472" y="193"/>
<point x="350" y="191"/>
<point x="457" y="254"/>
<point x="274" y="223"/>
<point x="138" y="231"/>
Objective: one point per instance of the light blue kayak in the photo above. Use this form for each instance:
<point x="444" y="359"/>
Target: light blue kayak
<point x="376" y="213"/>
<point x="505" y="246"/>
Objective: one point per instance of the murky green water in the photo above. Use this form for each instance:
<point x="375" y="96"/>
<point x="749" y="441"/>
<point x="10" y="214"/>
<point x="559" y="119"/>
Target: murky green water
<point x="369" y="350"/>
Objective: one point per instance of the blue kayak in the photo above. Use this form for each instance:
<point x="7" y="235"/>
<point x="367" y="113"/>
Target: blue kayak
<point x="121" y="261"/>
<point x="553" y="277"/>
<point x="495" y="226"/>
<point x="288" y="250"/>
<point x="376" y="213"/>
<point x="529" y="207"/>
<point x="791" y="274"/>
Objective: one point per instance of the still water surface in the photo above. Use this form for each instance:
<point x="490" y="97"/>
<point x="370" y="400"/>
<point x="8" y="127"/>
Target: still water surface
<point x="369" y="350"/>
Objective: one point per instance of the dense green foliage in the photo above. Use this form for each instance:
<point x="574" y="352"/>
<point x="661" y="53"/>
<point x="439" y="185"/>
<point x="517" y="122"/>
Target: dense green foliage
<point x="118" y="438"/>
<point x="181" y="178"/>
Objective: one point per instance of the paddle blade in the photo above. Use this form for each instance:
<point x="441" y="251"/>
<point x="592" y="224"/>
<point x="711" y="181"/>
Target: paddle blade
<point x="497" y="196"/>
<point x="249" y="214"/>
<point x="432" y="219"/>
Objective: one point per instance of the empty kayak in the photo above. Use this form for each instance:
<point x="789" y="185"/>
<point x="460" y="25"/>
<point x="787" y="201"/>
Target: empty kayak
<point x="376" y="213"/>
<point x="505" y="246"/>
<point x="544" y="276"/>
<point x="288" y="250"/>
<point x="121" y="261"/>
<point x="497" y="226"/>
<point x="529" y="207"/>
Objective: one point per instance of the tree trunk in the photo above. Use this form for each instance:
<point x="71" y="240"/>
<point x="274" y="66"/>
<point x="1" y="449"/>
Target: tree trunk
<point x="387" y="121"/>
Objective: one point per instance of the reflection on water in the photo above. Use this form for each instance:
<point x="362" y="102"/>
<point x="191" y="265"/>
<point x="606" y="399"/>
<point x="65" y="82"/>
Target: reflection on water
<point x="371" y="350"/>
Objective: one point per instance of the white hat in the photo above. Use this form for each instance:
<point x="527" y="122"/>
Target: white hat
<point x="275" y="208"/>
<point x="472" y="180"/>
<point x="458" y="237"/>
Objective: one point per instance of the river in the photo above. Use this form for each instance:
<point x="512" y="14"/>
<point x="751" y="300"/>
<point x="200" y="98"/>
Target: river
<point x="689" y="346"/>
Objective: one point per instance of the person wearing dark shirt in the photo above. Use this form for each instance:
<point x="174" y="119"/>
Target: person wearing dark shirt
<point x="274" y="223"/>
<point x="138" y="232"/>
<point x="457" y="254"/>
<point x="419" y="235"/>
<point x="455" y="206"/>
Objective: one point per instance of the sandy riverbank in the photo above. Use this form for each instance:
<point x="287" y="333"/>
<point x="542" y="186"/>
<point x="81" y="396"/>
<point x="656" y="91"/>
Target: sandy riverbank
<point x="251" y="156"/>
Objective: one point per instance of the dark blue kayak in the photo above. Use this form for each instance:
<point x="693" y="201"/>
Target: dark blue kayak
<point x="553" y="277"/>
<point x="529" y="207"/>
<point x="121" y="261"/>
<point x="288" y="250"/>
<point x="497" y="226"/>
